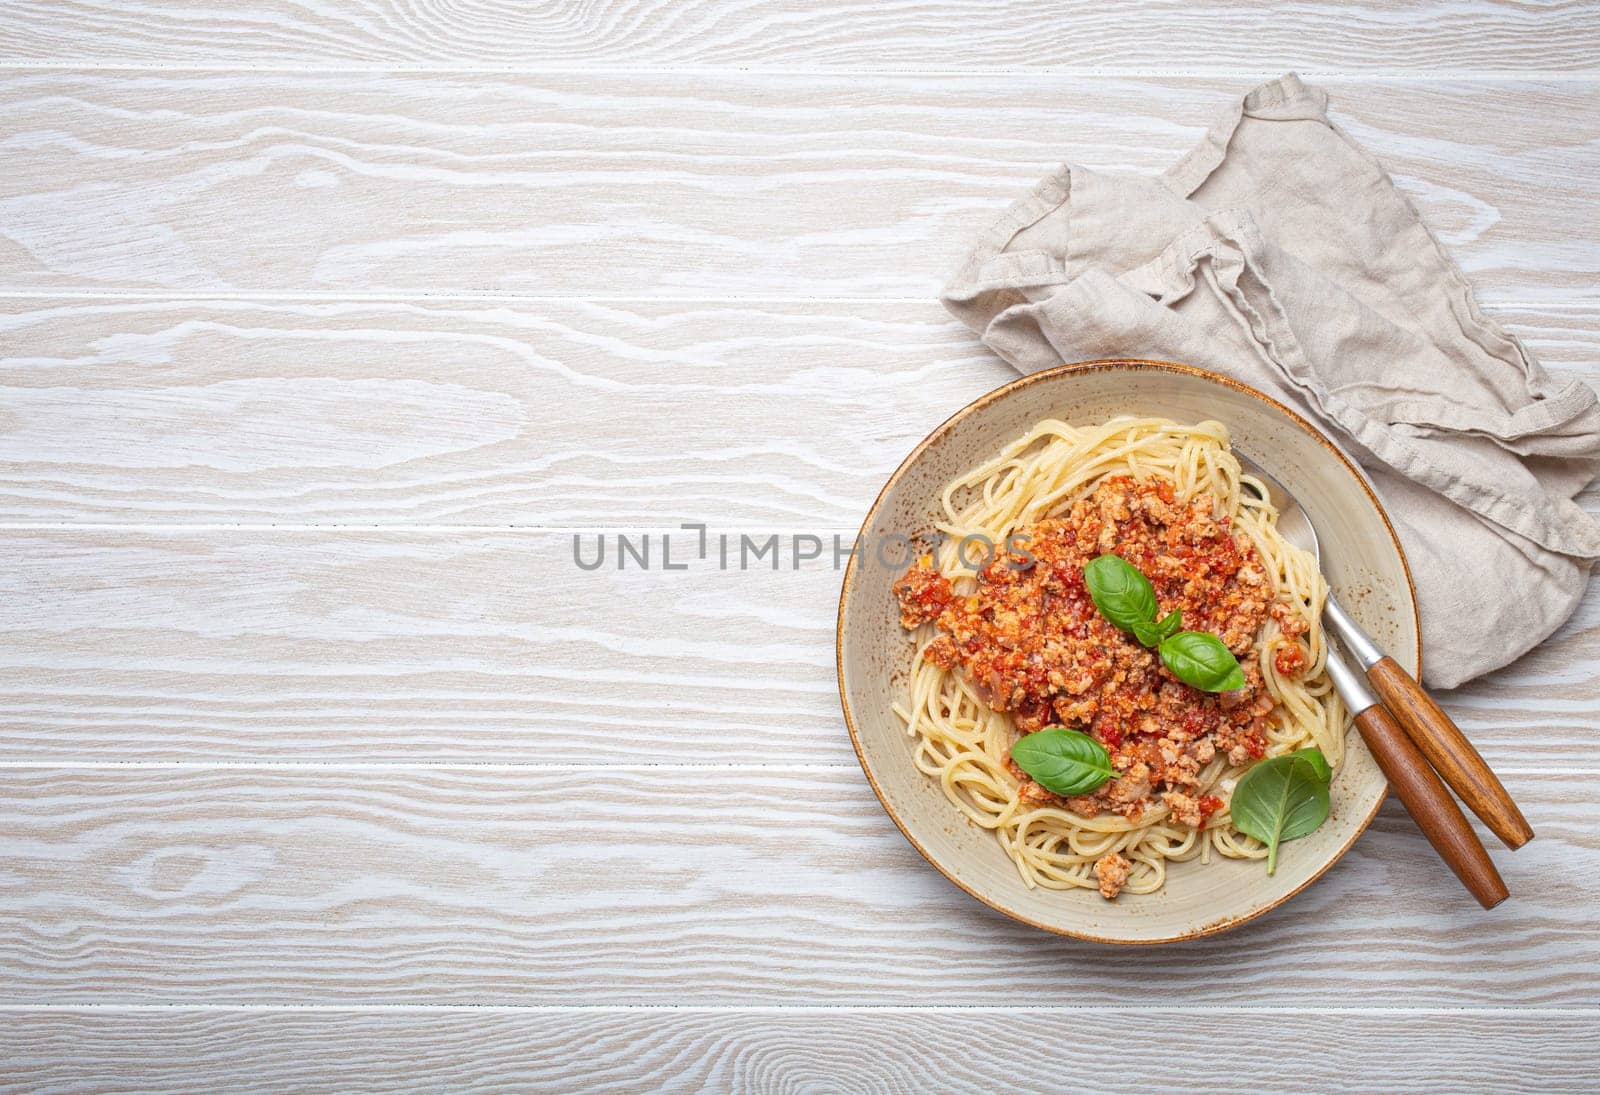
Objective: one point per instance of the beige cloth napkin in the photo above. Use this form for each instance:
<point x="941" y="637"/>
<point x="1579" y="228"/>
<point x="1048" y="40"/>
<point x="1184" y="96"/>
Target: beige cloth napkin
<point x="1280" y="253"/>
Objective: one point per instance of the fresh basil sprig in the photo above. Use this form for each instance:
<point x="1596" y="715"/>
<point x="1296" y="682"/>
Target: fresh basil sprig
<point x="1282" y="799"/>
<point x="1067" y="762"/>
<point x="1126" y="598"/>
<point x="1153" y="634"/>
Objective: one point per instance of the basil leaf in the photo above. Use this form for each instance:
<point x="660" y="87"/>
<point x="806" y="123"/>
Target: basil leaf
<point x="1315" y="758"/>
<point x="1168" y="625"/>
<point x="1122" y="594"/>
<point x="1064" y="761"/>
<point x="1198" y="659"/>
<point x="1148" y="633"/>
<point x="1282" y="799"/>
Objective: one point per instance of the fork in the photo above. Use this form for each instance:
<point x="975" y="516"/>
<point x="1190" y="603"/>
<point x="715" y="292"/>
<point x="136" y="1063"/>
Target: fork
<point x="1429" y="740"/>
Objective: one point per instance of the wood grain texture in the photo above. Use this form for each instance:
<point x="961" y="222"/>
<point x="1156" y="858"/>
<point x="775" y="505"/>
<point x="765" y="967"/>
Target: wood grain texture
<point x="1092" y="34"/>
<point x="718" y="185"/>
<point x="551" y="413"/>
<point x="454" y="646"/>
<point x="251" y="644"/>
<point x="1447" y="750"/>
<point x="1430" y="805"/>
<point x="427" y="285"/>
<point x="666" y="886"/>
<point x="474" y="646"/>
<point x="787" y="1052"/>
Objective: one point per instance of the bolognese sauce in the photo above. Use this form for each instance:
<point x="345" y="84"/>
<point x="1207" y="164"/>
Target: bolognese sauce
<point x="1031" y="643"/>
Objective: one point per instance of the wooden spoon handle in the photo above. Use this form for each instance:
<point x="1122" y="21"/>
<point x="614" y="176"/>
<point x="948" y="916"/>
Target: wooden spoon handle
<point x="1449" y="751"/>
<point x="1431" y="806"/>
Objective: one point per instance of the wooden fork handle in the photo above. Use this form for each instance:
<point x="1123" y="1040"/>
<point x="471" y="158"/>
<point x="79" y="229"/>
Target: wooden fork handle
<point x="1449" y="751"/>
<point x="1431" y="806"/>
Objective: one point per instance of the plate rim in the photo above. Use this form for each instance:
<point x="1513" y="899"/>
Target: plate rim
<point x="938" y="432"/>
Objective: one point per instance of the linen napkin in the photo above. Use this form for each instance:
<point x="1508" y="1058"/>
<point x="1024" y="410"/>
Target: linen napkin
<point x="1279" y="253"/>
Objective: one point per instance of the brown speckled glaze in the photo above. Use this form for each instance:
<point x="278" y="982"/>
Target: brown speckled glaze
<point x="1360" y="555"/>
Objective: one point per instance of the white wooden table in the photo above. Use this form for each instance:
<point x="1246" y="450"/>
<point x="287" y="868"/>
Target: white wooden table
<point x="324" y="327"/>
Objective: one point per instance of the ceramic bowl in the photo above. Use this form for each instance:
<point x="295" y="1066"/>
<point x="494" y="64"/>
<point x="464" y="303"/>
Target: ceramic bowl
<point x="1361" y="557"/>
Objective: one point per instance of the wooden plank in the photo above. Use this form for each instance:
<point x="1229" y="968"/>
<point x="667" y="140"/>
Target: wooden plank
<point x="1087" y="34"/>
<point x="673" y="886"/>
<point x="511" y="413"/>
<point x="532" y="413"/>
<point x="476" y="646"/>
<point x="1405" y="1052"/>
<point x="723" y="185"/>
<point x="479" y="646"/>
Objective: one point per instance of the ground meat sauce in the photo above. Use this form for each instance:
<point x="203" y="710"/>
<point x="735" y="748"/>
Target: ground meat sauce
<point x="1033" y="645"/>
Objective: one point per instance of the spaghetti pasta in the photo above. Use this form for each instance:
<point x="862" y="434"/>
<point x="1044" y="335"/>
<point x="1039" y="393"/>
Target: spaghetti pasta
<point x="963" y="734"/>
